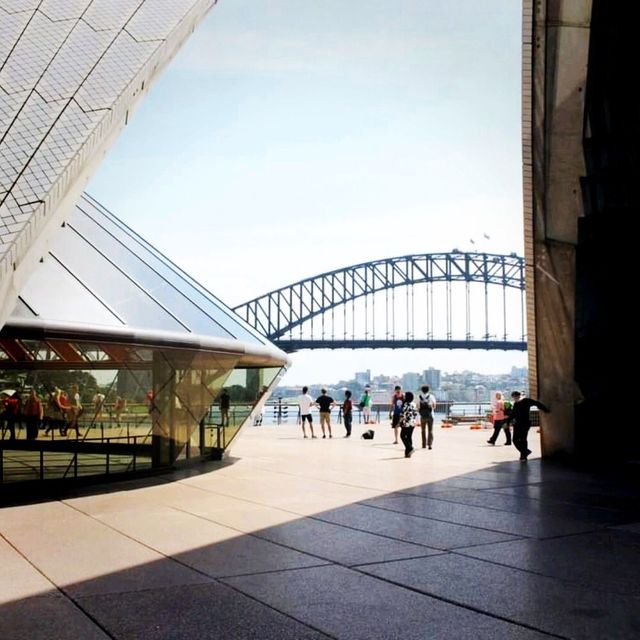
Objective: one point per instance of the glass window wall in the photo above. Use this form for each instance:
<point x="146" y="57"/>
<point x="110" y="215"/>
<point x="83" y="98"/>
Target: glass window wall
<point x="120" y="408"/>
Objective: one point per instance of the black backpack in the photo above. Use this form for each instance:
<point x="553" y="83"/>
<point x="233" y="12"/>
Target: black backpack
<point x="368" y="434"/>
<point x="425" y="409"/>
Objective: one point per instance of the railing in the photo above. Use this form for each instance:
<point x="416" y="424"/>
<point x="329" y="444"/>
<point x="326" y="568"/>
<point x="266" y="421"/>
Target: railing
<point x="282" y="412"/>
<point x="64" y="459"/>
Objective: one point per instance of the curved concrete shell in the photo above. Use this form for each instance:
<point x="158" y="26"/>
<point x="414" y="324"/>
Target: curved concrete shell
<point x="70" y="75"/>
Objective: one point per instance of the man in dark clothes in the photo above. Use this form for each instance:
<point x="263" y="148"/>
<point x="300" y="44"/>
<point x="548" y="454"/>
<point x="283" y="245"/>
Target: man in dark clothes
<point x="225" y="405"/>
<point x="519" y="417"/>
<point x="325" y="403"/>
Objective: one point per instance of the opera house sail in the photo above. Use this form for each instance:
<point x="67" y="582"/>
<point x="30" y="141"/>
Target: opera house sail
<point x="112" y="360"/>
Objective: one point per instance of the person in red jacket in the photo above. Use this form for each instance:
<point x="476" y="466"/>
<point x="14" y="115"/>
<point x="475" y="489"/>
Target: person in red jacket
<point x="11" y="409"/>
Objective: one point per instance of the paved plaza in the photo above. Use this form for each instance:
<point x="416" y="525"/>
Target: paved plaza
<point x="290" y="538"/>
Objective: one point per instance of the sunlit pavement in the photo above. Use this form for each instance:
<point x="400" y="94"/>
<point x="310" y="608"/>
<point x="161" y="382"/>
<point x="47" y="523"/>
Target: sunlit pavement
<point x="333" y="538"/>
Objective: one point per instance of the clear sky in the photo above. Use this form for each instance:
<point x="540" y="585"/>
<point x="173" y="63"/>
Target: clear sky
<point x="290" y="138"/>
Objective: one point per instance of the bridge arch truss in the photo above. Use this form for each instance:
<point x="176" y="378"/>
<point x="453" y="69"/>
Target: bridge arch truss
<point x="438" y="300"/>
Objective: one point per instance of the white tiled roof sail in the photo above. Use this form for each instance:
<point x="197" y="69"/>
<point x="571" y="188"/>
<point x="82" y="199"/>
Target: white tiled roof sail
<point x="70" y="72"/>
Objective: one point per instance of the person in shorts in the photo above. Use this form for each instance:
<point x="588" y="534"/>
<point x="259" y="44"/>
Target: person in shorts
<point x="325" y="403"/>
<point x="305" y="402"/>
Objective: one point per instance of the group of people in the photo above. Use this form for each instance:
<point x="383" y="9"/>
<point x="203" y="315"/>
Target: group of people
<point x="403" y="414"/>
<point x="406" y="412"/>
<point x="325" y="403"/>
<point x="57" y="410"/>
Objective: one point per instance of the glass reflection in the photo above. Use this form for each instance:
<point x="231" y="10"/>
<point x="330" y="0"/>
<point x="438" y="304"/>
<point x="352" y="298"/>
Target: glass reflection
<point x="119" y="409"/>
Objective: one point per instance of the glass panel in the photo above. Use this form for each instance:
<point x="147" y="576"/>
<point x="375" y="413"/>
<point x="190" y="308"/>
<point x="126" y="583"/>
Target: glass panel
<point x="22" y="310"/>
<point x="107" y="283"/>
<point x="39" y="350"/>
<point x="241" y="400"/>
<point x="91" y="352"/>
<point x="197" y="295"/>
<point x="134" y="415"/>
<point x="53" y="293"/>
<point x="153" y="283"/>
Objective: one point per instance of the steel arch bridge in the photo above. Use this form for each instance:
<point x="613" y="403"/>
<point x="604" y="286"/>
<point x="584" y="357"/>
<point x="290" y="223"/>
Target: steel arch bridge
<point x="451" y="301"/>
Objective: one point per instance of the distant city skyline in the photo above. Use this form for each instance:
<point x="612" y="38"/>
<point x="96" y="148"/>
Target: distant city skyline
<point x="401" y="359"/>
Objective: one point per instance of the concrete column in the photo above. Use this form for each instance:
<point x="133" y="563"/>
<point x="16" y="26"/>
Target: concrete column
<point x="555" y="57"/>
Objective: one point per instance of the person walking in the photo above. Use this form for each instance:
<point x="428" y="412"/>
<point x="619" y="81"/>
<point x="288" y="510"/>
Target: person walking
<point x="521" y="420"/>
<point x="499" y="420"/>
<point x="395" y="409"/>
<point x="325" y="403"/>
<point x="426" y="407"/>
<point x="305" y="402"/>
<point x="347" y="412"/>
<point x="407" y="423"/>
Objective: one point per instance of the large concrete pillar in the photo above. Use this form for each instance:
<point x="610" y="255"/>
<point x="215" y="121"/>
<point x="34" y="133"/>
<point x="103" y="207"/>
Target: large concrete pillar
<point x="555" y="60"/>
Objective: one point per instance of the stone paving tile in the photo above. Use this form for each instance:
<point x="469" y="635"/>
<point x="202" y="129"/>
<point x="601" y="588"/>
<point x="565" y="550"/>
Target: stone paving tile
<point x="513" y="504"/>
<point x="608" y="560"/>
<point x="204" y="545"/>
<point x="432" y="533"/>
<point x="543" y="603"/>
<point x="601" y="496"/>
<point x="52" y="617"/>
<point x="246" y="554"/>
<point x="192" y="612"/>
<point x="518" y="524"/>
<point x="348" y="605"/>
<point x="81" y="555"/>
<point x="19" y="578"/>
<point x="459" y="483"/>
<point x="341" y="544"/>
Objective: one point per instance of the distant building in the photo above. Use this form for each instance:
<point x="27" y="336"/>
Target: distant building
<point x="432" y="377"/>
<point x="411" y="381"/>
<point x="363" y="377"/>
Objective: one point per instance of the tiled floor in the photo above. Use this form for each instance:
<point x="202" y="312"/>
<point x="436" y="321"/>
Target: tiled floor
<point x="336" y="538"/>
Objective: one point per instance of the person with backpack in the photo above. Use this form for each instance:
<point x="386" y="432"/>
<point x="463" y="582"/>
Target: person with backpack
<point x="426" y="407"/>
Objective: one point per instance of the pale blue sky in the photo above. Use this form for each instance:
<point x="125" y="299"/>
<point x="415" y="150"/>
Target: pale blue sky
<point x="289" y="138"/>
